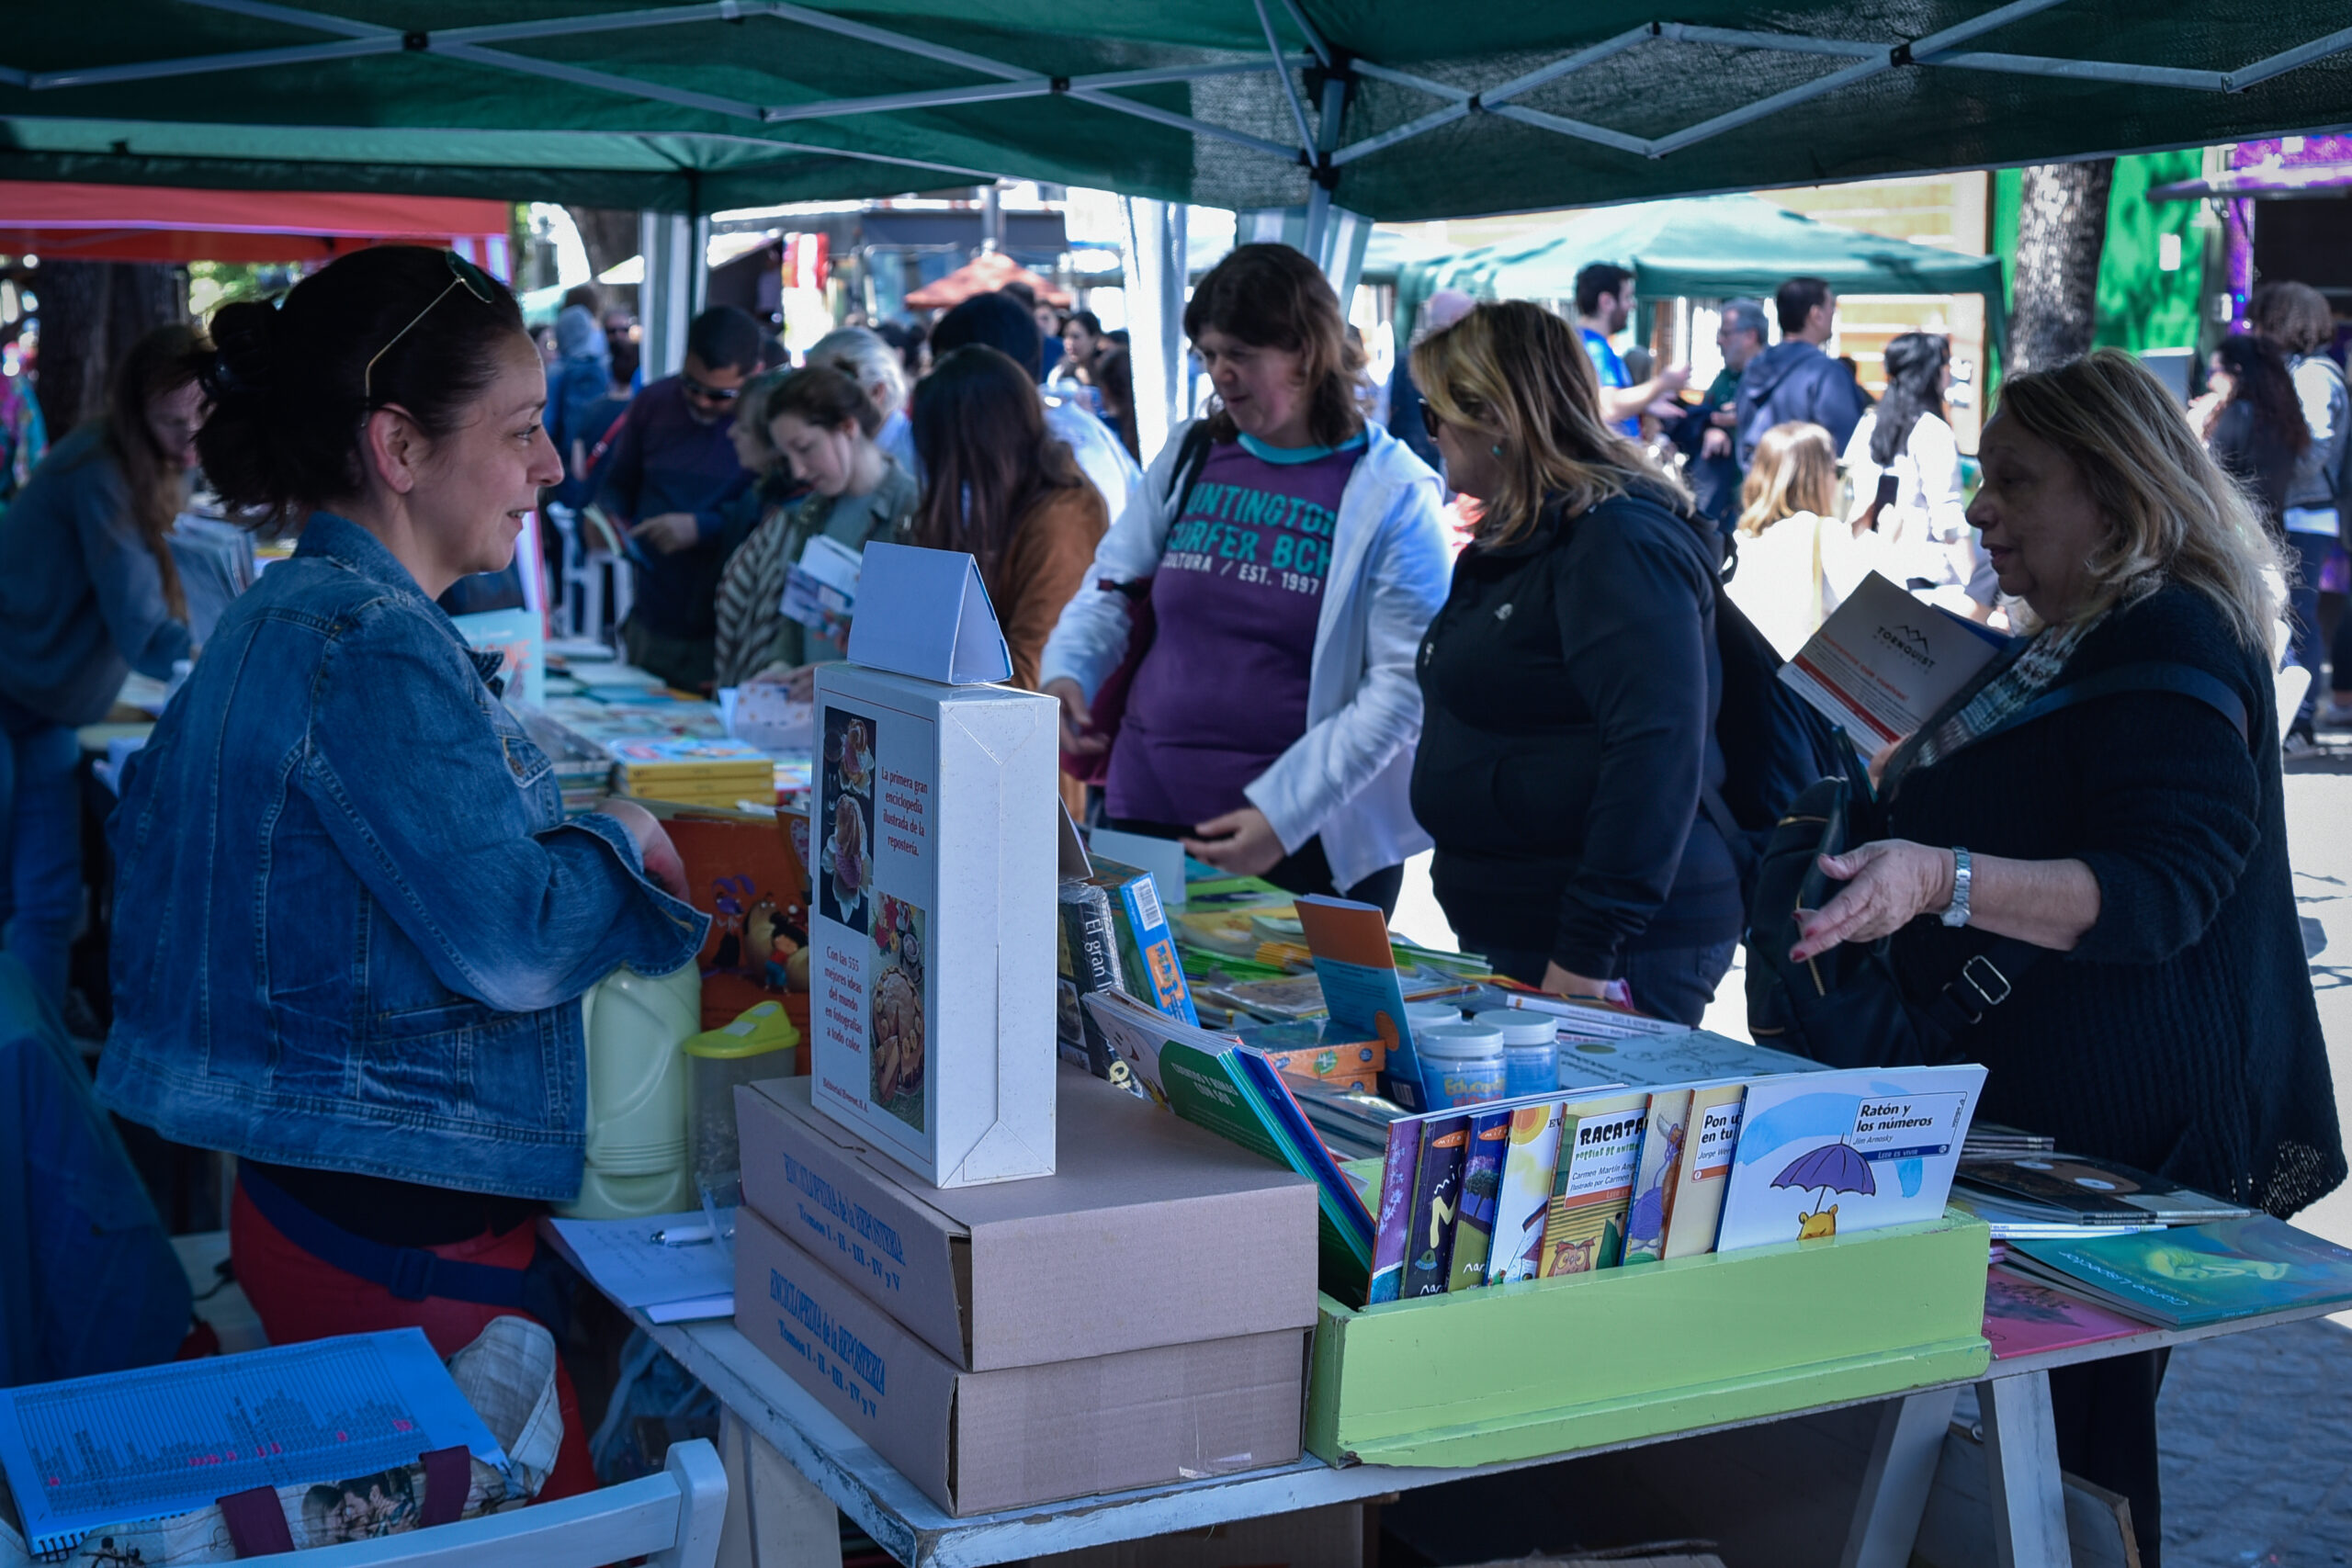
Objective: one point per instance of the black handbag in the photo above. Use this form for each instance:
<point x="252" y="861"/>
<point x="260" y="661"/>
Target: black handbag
<point x="1845" y="1008"/>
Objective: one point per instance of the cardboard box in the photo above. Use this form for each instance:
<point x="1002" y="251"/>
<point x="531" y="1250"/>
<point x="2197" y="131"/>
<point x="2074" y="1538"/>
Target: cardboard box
<point x="975" y="1442"/>
<point x="932" y="936"/>
<point x="1153" y="1232"/>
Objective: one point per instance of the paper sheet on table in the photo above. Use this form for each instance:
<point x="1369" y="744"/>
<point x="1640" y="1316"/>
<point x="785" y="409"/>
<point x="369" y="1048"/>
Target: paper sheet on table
<point x="1885" y="661"/>
<point x="669" y="1284"/>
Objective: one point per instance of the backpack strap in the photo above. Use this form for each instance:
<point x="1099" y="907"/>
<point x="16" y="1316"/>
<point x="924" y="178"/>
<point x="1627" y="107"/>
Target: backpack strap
<point x="1190" y="459"/>
<point x="2155" y="675"/>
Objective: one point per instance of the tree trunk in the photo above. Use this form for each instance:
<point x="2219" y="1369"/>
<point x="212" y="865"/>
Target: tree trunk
<point x="2062" y="230"/>
<point x="91" y="312"/>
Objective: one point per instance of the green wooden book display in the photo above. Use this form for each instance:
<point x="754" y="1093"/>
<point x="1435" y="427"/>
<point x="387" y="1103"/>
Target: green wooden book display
<point x="1583" y="1360"/>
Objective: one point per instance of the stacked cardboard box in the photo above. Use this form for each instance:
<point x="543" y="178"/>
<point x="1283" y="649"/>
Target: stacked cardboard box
<point x="1138" y="1317"/>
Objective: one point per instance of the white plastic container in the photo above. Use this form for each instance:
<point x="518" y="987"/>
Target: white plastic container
<point x="1430" y="1015"/>
<point x="636" y="1094"/>
<point x="1531" y="1049"/>
<point x="1463" y="1063"/>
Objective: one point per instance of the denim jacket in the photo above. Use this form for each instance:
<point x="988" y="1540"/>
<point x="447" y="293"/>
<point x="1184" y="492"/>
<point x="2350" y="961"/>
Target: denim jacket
<point x="352" y="926"/>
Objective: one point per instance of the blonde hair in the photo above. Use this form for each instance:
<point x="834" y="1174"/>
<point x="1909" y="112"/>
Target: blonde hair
<point x="1795" y="470"/>
<point x="2168" y="506"/>
<point x="1520" y="372"/>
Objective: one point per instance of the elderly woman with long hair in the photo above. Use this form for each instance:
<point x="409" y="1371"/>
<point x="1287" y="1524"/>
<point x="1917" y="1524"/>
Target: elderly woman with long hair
<point x="2122" y="855"/>
<point x="88" y="593"/>
<point x="1570" y="684"/>
<point x="1292" y="554"/>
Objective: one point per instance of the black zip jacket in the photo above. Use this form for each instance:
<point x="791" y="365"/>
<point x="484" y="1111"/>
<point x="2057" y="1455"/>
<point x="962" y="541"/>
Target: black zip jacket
<point x="1569" y="692"/>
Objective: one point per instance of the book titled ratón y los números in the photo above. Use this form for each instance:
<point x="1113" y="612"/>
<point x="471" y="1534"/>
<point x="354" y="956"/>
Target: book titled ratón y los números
<point x="933" y="900"/>
<point x="1592" y="1186"/>
<point x="1829" y="1154"/>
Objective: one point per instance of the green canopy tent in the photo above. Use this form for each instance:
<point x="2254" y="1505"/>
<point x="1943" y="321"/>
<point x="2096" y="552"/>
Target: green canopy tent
<point x="1706" y="247"/>
<point x="1392" y="109"/>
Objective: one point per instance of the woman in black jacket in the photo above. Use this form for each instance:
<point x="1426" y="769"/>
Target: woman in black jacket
<point x="2138" y="840"/>
<point x="1570" y="684"/>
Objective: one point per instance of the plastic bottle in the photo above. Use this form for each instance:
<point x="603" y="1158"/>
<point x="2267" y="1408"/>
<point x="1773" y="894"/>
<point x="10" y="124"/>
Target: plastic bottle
<point x="636" y="1094"/>
<point x="1463" y="1063"/>
<point x="759" y="1044"/>
<point x="1531" y="1048"/>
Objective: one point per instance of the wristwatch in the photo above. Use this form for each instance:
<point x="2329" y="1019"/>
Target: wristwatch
<point x="1956" y="912"/>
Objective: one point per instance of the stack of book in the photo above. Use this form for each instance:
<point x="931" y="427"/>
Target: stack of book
<point x="692" y="772"/>
<point x="583" y="770"/>
<point x="2200" y="1274"/>
<point x="2055" y="1196"/>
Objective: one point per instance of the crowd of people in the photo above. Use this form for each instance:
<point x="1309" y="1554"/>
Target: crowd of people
<point x="1265" y="645"/>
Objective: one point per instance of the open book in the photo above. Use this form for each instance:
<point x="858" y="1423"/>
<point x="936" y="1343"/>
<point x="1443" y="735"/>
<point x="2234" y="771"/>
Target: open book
<point x="1885" y="661"/>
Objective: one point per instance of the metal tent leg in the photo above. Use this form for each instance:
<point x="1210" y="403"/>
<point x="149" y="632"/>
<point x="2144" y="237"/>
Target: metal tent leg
<point x="2021" y="1453"/>
<point x="1902" y="1471"/>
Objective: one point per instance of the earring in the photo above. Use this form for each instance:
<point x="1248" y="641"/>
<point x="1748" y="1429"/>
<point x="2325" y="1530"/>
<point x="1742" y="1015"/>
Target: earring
<point x="1497" y="449"/>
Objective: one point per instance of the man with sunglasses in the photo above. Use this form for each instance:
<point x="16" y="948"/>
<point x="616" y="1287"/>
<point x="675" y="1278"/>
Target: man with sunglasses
<point x="667" y="479"/>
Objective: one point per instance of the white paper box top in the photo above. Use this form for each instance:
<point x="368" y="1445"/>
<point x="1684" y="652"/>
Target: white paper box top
<point x="926" y="614"/>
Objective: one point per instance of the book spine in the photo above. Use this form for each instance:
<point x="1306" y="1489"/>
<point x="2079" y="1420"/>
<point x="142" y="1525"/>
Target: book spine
<point x="1159" y="975"/>
<point x="1707" y="1150"/>
<point x="1397" y="1173"/>
<point x="1436" y="1193"/>
<point x="1482" y="1173"/>
<point x="1516" y="1250"/>
<point x="1660" y="1162"/>
<point x="1090" y="962"/>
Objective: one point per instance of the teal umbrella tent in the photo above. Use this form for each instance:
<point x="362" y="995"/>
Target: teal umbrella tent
<point x="1703" y="247"/>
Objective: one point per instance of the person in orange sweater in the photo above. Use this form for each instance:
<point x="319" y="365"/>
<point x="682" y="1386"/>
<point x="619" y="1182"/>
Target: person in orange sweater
<point x="996" y="485"/>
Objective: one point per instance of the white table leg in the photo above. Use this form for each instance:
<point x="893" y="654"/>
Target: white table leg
<point x="776" y="1519"/>
<point x="2022" y="1457"/>
<point x="1895" y="1485"/>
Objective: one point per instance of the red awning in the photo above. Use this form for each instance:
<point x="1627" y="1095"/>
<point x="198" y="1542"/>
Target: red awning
<point x="79" y="222"/>
<point x="984" y="273"/>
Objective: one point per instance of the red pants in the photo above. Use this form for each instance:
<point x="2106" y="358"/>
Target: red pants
<point x="298" y="1298"/>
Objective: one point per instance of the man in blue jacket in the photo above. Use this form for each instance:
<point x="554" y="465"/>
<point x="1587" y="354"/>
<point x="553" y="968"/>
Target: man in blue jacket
<point x="1793" y="379"/>
<point x="670" y="473"/>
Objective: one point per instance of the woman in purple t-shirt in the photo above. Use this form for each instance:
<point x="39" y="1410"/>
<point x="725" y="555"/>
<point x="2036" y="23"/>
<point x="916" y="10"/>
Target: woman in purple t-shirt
<point x="1294" y="555"/>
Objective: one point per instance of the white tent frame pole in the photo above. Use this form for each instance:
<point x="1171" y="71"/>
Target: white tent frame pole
<point x="1290" y="88"/>
<point x="1319" y="192"/>
<point x="1314" y="41"/>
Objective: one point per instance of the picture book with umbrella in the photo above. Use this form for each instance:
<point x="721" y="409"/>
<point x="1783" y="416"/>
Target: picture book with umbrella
<point x="1823" y="1155"/>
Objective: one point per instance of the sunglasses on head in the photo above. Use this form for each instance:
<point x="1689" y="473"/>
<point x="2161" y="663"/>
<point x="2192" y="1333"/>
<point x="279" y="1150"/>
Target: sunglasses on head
<point x="696" y="390"/>
<point x="464" y="275"/>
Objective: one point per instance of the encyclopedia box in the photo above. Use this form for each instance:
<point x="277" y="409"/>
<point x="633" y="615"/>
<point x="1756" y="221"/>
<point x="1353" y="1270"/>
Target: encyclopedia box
<point x="931" y="920"/>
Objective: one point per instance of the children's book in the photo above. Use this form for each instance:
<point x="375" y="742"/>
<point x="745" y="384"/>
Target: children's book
<point x="2092" y="1191"/>
<point x="2022" y="1316"/>
<point x="1358" y="968"/>
<point x="1147" y="967"/>
<point x="2194" y="1275"/>
<point x="1822" y="1153"/>
<point x="1482" y="1176"/>
<point x="1600" y="1141"/>
<point x="1654" y="1173"/>
<point x="1711" y="1138"/>
<point x="1393" y="1222"/>
<point x="1531" y="1155"/>
<point x="1217" y="1083"/>
<point x="1684" y="1056"/>
<point x="1884" y="661"/>
<point x="1437" y="1191"/>
<point x="1217" y="912"/>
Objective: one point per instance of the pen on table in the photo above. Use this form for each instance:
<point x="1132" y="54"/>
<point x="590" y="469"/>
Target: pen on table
<point x="681" y="1236"/>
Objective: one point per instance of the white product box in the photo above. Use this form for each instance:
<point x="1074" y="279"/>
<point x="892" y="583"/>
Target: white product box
<point x="933" y="866"/>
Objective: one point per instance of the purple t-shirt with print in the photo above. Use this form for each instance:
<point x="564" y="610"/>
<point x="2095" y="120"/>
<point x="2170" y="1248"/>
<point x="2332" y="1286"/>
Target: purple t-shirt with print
<point x="1223" y="691"/>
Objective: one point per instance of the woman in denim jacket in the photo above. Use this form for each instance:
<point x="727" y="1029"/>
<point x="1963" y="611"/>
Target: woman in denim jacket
<point x="352" y="924"/>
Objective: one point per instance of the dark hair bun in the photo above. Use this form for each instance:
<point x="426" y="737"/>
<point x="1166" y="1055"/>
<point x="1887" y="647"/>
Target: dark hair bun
<point x="290" y="385"/>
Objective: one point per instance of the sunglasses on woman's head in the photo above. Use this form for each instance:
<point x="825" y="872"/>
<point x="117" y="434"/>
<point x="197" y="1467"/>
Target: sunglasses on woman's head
<point x="464" y="275"/>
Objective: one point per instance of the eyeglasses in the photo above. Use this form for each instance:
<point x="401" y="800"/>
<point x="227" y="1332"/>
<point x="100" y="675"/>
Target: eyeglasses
<point x="701" y="393"/>
<point x="464" y="275"/>
<point x="1431" y="422"/>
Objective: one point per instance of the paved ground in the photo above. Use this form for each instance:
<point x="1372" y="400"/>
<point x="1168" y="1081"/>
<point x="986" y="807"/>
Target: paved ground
<point x="2256" y="1428"/>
